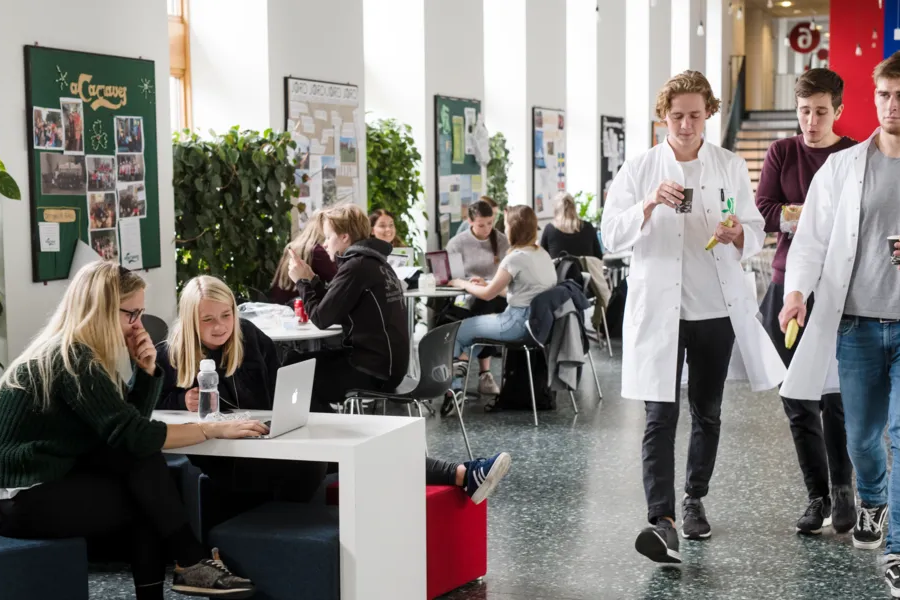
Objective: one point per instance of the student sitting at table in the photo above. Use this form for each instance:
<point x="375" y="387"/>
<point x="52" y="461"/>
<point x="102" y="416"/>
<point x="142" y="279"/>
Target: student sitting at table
<point x="465" y="225"/>
<point x="308" y="246"/>
<point x="247" y="363"/>
<point x="80" y="455"/>
<point x="482" y="247"/>
<point x="366" y="299"/>
<point x="524" y="272"/>
<point x="568" y="232"/>
<point x="384" y="228"/>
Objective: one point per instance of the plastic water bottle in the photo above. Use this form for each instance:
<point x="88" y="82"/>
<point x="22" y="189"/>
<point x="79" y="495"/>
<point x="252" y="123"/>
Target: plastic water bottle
<point x="208" y="380"/>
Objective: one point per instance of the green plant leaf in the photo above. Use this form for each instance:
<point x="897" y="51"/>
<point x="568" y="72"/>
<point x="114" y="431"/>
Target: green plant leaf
<point x="8" y="187"/>
<point x="2" y="166"/>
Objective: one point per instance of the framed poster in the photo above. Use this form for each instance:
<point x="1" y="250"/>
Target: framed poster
<point x="548" y="173"/>
<point x="323" y="119"/>
<point x="92" y="159"/>
<point x="659" y="131"/>
<point x="458" y="175"/>
<point x="612" y="151"/>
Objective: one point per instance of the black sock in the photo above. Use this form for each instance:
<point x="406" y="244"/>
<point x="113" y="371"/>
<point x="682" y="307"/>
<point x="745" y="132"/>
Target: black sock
<point x="480" y="373"/>
<point x="185" y="548"/>
<point x="149" y="592"/>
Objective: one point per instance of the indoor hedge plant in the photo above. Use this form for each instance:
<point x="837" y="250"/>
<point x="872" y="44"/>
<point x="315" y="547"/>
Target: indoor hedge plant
<point x="498" y="171"/>
<point x="232" y="206"/>
<point x="395" y="178"/>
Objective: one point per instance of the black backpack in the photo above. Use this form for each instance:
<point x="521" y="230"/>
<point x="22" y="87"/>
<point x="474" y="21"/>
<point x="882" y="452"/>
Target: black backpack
<point x="516" y="393"/>
<point x="568" y="267"/>
<point x="615" y="310"/>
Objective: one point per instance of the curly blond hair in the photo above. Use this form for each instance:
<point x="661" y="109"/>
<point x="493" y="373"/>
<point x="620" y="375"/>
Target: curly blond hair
<point x="688" y="82"/>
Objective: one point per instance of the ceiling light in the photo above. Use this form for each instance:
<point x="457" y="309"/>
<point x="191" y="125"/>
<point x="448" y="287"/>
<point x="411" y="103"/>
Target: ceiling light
<point x="828" y="34"/>
<point x="786" y="3"/>
<point x="769" y="4"/>
<point x="700" y="30"/>
<point x="740" y="13"/>
<point x="730" y="7"/>
<point x="874" y="34"/>
<point x="858" y="50"/>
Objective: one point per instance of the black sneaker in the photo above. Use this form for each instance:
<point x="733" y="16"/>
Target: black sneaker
<point x="212" y="579"/>
<point x="694" y="525"/>
<point x="817" y="516"/>
<point x="448" y="404"/>
<point x="843" y="515"/>
<point x="868" y="532"/>
<point x="659" y="543"/>
<point x="892" y="573"/>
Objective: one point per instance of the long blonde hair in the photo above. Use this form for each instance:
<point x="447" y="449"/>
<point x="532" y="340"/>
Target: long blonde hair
<point x="565" y="214"/>
<point x="185" y="347"/>
<point x="88" y="316"/>
<point x="312" y="235"/>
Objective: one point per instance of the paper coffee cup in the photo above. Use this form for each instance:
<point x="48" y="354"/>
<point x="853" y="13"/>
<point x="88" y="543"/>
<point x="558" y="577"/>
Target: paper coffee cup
<point x="687" y="204"/>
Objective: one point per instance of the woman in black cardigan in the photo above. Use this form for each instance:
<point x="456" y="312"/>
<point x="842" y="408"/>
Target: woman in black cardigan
<point x="247" y="363"/>
<point x="568" y="233"/>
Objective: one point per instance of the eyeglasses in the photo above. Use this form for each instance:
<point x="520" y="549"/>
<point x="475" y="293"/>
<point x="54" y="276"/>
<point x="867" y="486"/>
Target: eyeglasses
<point x="133" y="315"/>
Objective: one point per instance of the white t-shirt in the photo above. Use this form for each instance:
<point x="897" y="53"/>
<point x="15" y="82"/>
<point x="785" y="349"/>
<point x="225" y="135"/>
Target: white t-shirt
<point x="701" y="293"/>
<point x="532" y="272"/>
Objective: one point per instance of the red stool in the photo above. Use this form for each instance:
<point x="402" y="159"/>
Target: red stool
<point x="456" y="537"/>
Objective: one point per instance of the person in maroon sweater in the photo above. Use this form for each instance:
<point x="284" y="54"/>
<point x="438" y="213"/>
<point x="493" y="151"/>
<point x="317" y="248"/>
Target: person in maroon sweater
<point x="817" y="427"/>
<point x="308" y="247"/>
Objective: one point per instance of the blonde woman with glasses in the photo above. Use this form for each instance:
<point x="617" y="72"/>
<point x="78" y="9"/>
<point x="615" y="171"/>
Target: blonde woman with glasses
<point x="81" y="456"/>
<point x="247" y="362"/>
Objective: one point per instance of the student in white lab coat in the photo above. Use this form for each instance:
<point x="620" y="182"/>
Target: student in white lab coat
<point x="842" y="253"/>
<point x="684" y="299"/>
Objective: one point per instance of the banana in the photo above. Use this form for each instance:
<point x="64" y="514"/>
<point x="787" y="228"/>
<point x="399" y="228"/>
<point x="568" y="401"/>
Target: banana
<point x="713" y="241"/>
<point x="790" y="334"/>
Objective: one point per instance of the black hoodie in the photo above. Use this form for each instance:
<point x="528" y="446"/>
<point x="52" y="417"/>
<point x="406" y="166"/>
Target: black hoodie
<point x="366" y="299"/>
<point x="252" y="387"/>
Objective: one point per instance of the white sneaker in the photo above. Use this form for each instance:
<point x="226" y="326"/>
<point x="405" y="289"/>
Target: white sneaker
<point x="487" y="386"/>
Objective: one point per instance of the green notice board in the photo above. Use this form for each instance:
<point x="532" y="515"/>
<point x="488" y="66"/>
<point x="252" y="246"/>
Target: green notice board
<point x="458" y="175"/>
<point x="91" y="123"/>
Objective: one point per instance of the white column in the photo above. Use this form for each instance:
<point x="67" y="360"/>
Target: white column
<point x="637" y="85"/>
<point x="714" y="64"/>
<point x="582" y="114"/>
<point x="682" y="35"/>
<point x="660" y="40"/>
<point x="611" y="45"/>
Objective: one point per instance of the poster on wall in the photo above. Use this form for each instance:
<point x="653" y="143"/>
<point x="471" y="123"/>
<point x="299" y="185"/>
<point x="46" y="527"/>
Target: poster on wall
<point x="659" y="131"/>
<point x="458" y="174"/>
<point x="549" y="164"/>
<point x="612" y="151"/>
<point x="323" y="119"/>
<point x="92" y="159"/>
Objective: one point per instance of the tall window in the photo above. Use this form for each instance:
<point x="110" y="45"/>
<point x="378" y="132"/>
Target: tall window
<point x="179" y="65"/>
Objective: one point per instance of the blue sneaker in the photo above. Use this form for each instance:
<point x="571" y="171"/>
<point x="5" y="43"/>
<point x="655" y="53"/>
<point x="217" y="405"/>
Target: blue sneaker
<point x="483" y="475"/>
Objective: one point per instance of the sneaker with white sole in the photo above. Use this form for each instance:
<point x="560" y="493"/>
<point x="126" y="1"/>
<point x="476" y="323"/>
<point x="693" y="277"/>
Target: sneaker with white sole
<point x="487" y="386"/>
<point x="868" y="534"/>
<point x="694" y="524"/>
<point x="483" y="475"/>
<point x="892" y="573"/>
<point x="212" y="579"/>
<point x="816" y="517"/>
<point x="659" y="542"/>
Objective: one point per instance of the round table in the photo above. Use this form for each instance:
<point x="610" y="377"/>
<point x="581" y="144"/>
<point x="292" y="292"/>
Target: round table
<point x="302" y="333"/>
<point x="411" y="295"/>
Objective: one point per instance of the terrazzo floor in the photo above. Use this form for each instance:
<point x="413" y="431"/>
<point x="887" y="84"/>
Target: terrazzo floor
<point x="562" y="525"/>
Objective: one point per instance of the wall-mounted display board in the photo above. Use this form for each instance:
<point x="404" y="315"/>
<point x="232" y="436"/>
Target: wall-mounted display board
<point x="93" y="172"/>
<point x="548" y="173"/>
<point x="612" y="151"/>
<point x="458" y="174"/>
<point x="323" y="118"/>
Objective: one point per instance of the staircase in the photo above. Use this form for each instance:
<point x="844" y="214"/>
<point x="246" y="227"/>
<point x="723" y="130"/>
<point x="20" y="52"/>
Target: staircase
<point x="757" y="133"/>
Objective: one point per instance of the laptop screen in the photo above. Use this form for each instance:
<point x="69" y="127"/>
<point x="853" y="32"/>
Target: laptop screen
<point x="439" y="265"/>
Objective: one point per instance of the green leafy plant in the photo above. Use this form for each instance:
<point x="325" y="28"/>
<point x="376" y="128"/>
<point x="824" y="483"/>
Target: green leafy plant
<point x="8" y="186"/>
<point x="498" y="171"/>
<point x="232" y="206"/>
<point x="395" y="179"/>
<point x="586" y="202"/>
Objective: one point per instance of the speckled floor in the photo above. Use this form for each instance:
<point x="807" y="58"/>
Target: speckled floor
<point x="562" y="525"/>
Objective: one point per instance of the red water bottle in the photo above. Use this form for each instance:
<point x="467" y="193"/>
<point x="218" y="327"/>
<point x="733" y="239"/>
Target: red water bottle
<point x="300" y="311"/>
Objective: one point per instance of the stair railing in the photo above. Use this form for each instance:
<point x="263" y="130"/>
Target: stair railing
<point x="738" y="102"/>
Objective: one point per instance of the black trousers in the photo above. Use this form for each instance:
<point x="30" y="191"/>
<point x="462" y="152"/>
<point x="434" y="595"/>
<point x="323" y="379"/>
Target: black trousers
<point x="707" y="345"/>
<point x="817" y="427"/>
<point x="106" y="493"/>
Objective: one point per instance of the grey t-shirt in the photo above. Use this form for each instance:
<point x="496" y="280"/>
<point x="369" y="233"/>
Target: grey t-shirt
<point x="532" y="273"/>
<point x="478" y="257"/>
<point x="875" y="283"/>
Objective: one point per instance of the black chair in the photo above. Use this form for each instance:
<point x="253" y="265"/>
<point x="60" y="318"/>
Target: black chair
<point x="435" y="378"/>
<point x="156" y="327"/>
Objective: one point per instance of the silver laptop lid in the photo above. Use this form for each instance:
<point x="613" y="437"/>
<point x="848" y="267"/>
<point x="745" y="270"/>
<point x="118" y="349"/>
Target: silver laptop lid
<point x="293" y="396"/>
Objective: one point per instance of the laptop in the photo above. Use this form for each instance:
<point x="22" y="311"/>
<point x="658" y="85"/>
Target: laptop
<point x="445" y="266"/>
<point x="293" y="395"/>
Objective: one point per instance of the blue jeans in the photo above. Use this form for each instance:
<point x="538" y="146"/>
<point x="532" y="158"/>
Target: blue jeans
<point x="508" y="326"/>
<point x="868" y="354"/>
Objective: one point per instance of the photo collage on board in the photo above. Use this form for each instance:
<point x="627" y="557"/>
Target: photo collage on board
<point x="114" y="186"/>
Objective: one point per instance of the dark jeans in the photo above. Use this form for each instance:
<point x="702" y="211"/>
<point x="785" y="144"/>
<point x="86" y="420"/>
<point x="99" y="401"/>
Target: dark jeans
<point x="817" y="427"/>
<point x="105" y="493"/>
<point x="708" y="346"/>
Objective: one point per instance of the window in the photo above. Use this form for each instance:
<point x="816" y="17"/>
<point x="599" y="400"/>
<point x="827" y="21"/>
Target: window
<point x="179" y="65"/>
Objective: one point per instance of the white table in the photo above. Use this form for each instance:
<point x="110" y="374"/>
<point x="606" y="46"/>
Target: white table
<point x="302" y="333"/>
<point x="382" y="492"/>
<point x="411" y="296"/>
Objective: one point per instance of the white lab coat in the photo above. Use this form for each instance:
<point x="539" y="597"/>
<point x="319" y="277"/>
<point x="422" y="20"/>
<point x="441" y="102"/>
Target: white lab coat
<point x="821" y="260"/>
<point x="653" y="305"/>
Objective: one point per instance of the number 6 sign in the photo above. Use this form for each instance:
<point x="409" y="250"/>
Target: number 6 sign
<point x="804" y="38"/>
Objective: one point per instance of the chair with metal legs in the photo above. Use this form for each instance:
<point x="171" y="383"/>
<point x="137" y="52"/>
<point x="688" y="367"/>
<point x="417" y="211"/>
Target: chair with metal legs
<point x="435" y="378"/>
